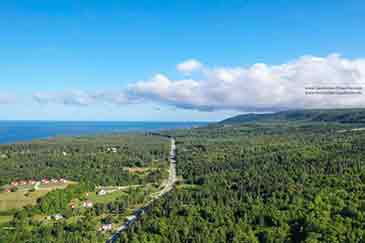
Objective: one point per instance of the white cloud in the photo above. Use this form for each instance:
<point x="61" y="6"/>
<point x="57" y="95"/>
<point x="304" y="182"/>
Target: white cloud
<point x="68" y="98"/>
<point x="82" y="98"/>
<point x="262" y="86"/>
<point x="160" y="88"/>
<point x="259" y="87"/>
<point x="189" y="66"/>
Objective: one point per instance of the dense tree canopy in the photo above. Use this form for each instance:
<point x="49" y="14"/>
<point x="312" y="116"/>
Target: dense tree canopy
<point x="263" y="183"/>
<point x="99" y="160"/>
<point x="256" y="182"/>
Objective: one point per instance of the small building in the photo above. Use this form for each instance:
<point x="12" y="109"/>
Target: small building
<point x="64" y="153"/>
<point x="102" y="192"/>
<point x="45" y="181"/>
<point x="106" y="227"/>
<point x="87" y="204"/>
<point x="54" y="181"/>
<point x="131" y="218"/>
<point x="14" y="183"/>
<point x="72" y="205"/>
<point x="32" y="182"/>
<point x="57" y="217"/>
<point x="22" y="182"/>
<point x="62" y="180"/>
<point x="112" y="149"/>
<point x="7" y="190"/>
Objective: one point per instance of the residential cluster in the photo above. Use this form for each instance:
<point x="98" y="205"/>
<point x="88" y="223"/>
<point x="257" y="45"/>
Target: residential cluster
<point x="112" y="149"/>
<point x="31" y="182"/>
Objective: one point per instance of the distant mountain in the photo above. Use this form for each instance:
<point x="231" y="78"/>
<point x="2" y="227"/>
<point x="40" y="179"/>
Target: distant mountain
<point x="319" y="115"/>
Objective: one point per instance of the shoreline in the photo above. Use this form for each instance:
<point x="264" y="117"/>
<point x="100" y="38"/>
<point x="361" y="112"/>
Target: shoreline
<point x="54" y="130"/>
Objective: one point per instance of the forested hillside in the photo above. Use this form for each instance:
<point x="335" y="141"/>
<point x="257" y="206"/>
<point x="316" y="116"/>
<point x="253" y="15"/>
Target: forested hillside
<point x="263" y="183"/>
<point x="329" y="115"/>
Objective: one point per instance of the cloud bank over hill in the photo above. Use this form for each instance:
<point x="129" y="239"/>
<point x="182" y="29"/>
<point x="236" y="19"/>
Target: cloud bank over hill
<point x="260" y="87"/>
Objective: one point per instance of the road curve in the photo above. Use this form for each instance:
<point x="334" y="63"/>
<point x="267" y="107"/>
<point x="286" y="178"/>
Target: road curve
<point x="168" y="187"/>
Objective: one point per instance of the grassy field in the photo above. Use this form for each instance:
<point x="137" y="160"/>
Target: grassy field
<point x="22" y="197"/>
<point x="53" y="186"/>
<point x="113" y="196"/>
<point x="110" y="197"/>
<point x="5" y="219"/>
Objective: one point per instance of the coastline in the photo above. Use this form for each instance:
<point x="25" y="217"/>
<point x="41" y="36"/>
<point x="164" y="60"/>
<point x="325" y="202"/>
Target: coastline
<point x="12" y="132"/>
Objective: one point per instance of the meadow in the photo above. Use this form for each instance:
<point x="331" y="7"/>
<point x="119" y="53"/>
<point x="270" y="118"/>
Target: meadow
<point x="24" y="196"/>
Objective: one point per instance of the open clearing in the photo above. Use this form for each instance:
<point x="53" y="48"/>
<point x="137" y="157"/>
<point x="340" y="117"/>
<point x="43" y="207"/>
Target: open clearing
<point x="21" y="198"/>
<point x="5" y="219"/>
<point x="110" y="197"/>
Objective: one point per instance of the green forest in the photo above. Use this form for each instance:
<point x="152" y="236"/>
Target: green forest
<point x="256" y="181"/>
<point x="263" y="182"/>
<point x="97" y="160"/>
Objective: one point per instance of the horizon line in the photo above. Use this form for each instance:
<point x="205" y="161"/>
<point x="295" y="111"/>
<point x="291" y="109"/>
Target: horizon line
<point x="139" y="121"/>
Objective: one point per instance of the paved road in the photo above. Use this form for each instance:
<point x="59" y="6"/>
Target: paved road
<point x="167" y="187"/>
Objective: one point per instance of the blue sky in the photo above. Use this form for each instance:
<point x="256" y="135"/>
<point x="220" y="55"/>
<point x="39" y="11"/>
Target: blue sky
<point x="59" y="48"/>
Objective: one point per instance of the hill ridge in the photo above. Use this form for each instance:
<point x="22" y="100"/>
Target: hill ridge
<point x="353" y="115"/>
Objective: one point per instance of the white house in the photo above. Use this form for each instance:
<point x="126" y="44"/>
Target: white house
<point x="107" y="227"/>
<point x="32" y="182"/>
<point x="112" y="149"/>
<point x="102" y="192"/>
<point x="57" y="216"/>
<point x="132" y="217"/>
<point x="87" y="204"/>
<point x="14" y="183"/>
<point x="45" y="181"/>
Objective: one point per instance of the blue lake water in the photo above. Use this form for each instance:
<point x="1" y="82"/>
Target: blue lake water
<point x="18" y="131"/>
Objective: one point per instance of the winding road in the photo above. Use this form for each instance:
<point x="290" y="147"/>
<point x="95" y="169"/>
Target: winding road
<point x="167" y="187"/>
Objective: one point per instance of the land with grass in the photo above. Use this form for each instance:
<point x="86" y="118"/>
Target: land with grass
<point x="4" y="219"/>
<point x="130" y="168"/>
<point x="26" y="196"/>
